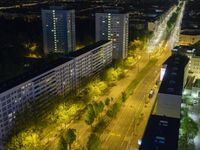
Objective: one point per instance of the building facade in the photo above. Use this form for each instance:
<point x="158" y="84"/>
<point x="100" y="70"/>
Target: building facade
<point x="194" y="59"/>
<point x="174" y="72"/>
<point x="114" y="26"/>
<point x="195" y="66"/>
<point x="90" y="62"/>
<point x="58" y="78"/>
<point x="189" y="37"/>
<point x="58" y="30"/>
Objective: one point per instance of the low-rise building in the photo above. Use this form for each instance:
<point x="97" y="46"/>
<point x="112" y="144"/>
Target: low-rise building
<point x="191" y="88"/>
<point x="194" y="56"/>
<point x="161" y="133"/>
<point x="173" y="82"/>
<point x="195" y="66"/>
<point x="189" y="37"/>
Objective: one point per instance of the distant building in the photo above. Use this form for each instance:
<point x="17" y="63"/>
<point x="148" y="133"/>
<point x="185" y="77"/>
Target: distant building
<point x="196" y="89"/>
<point x="194" y="56"/>
<point x="174" y="72"/>
<point x="162" y="133"/>
<point x="155" y="18"/>
<point x="113" y="25"/>
<point x="44" y="82"/>
<point x="152" y="25"/>
<point x="189" y="37"/>
<point x="194" y="69"/>
<point x="58" y="30"/>
<point x="192" y="86"/>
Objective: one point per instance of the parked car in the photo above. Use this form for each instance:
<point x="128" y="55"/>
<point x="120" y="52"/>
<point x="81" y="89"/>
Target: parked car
<point x="151" y="93"/>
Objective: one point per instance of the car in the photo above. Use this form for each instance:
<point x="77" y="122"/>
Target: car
<point x="151" y="93"/>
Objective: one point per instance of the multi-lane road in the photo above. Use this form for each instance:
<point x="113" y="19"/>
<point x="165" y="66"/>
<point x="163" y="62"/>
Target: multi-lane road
<point x="124" y="131"/>
<point x="129" y="126"/>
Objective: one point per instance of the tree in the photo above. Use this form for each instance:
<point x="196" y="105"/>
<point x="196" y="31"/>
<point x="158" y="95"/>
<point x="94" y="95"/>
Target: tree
<point x="188" y="131"/>
<point x="90" y="114"/>
<point x="70" y="137"/>
<point x="28" y="139"/>
<point x="101" y="106"/>
<point x="62" y="144"/>
<point x="187" y="100"/>
<point x="95" y="88"/>
<point x="129" y="62"/>
<point x="107" y="101"/>
<point x="93" y="142"/>
<point x="98" y="107"/>
<point x="136" y="44"/>
<point x="124" y="96"/>
<point x="184" y="144"/>
<point x="114" y="110"/>
<point x="101" y="85"/>
<point x="189" y="127"/>
<point x="111" y="75"/>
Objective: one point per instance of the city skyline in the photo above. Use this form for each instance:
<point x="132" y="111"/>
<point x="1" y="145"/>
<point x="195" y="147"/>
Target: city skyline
<point x="100" y="75"/>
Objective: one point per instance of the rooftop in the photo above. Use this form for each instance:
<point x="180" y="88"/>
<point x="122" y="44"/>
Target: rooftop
<point x="161" y="133"/>
<point x="38" y="68"/>
<point x="86" y="49"/>
<point x="172" y="82"/>
<point x="112" y="10"/>
<point x="190" y="32"/>
<point x="58" y="8"/>
<point x="186" y="50"/>
<point x="43" y="66"/>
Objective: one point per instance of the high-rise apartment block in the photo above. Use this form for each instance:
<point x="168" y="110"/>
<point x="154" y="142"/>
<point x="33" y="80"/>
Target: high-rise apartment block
<point x="58" y="30"/>
<point x="113" y="25"/>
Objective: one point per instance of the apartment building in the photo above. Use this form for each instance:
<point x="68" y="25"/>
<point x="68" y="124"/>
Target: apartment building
<point x="113" y="25"/>
<point x="58" y="26"/>
<point x="55" y="78"/>
<point x="89" y="62"/>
